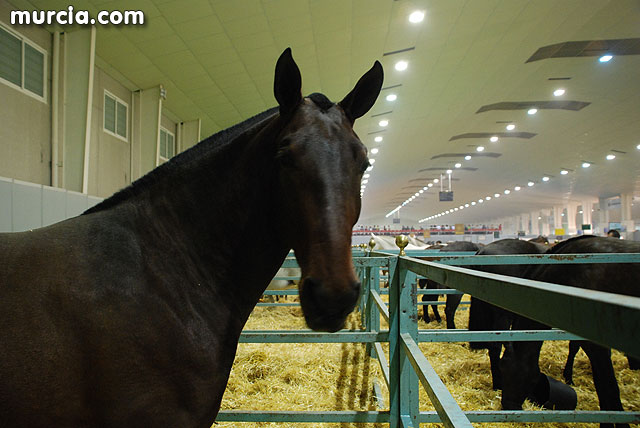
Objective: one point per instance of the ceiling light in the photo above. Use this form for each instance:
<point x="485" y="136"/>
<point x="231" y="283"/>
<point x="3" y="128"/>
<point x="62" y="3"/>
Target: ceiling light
<point x="466" y="205"/>
<point x="480" y="201"/>
<point x="611" y="157"/>
<point x="416" y="16"/>
<point x="564" y="172"/>
<point x="488" y="198"/>
<point x="458" y="165"/>
<point x="449" y="171"/>
<point x="392" y="97"/>
<point x="468" y="157"/>
<point x="532" y="111"/>
<point x="425" y="188"/>
<point x="421" y="191"/>
<point x="586" y="164"/>
<point x="517" y="188"/>
<point x="558" y="92"/>
<point x="363" y="187"/>
<point x="580" y="212"/>
<point x="365" y="181"/>
<point x="401" y="65"/>
<point x="539" y="218"/>
<point x="430" y="184"/>
<point x="371" y="162"/>
<point x="370" y="168"/>
<point x="531" y="184"/>
<point x="545" y="178"/>
<point x="455" y="209"/>
<point x="605" y="58"/>
<point x="511" y="127"/>
<point x="435" y="180"/>
<point x="383" y="123"/>
<point x="378" y="139"/>
<point x="496" y="195"/>
<point x="473" y="203"/>
<point x="493" y="139"/>
<point x="507" y="191"/>
<point x="417" y="194"/>
<point x="562" y="214"/>
<point x="366" y="176"/>
<point x="461" y="207"/>
<point x="479" y="148"/>
<point x="638" y="147"/>
<point x="374" y="151"/>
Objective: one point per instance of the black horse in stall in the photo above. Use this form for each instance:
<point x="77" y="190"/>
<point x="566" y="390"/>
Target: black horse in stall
<point x="484" y="316"/>
<point x="453" y="300"/>
<point x="519" y="364"/>
<point x="129" y="315"/>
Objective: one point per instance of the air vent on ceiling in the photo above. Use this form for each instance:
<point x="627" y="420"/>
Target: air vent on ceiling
<point x="382" y="114"/>
<point x="391" y="87"/>
<point x="491" y="134"/>
<point x="399" y="51"/>
<point x="588" y="48"/>
<point x="526" y="105"/>
<point x="559" y="78"/>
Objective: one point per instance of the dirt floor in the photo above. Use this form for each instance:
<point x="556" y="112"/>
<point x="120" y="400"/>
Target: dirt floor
<point x="341" y="376"/>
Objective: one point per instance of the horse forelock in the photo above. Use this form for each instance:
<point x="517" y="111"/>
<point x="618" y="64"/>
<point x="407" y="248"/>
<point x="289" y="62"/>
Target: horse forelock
<point x="321" y="101"/>
<point x="207" y="147"/>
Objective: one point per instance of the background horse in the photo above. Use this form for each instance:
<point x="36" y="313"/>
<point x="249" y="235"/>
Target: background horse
<point x="129" y="315"/>
<point x="519" y="364"/>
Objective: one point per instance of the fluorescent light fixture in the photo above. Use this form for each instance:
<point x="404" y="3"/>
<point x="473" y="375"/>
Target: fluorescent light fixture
<point x="435" y="180"/>
<point x="473" y="203"/>
<point x="531" y="184"/>
<point x="365" y="181"/>
<point x="480" y="201"/>
<point x="458" y="165"/>
<point x="532" y="111"/>
<point x="417" y="194"/>
<point x="611" y="157"/>
<point x="416" y="16"/>
<point x="480" y="148"/>
<point x="496" y="195"/>
<point x="488" y="198"/>
<point x="605" y="58"/>
<point x="372" y="161"/>
<point x="449" y="171"/>
<point x="425" y="188"/>
<point x="558" y="92"/>
<point x="493" y="139"/>
<point x="564" y="172"/>
<point x="586" y="164"/>
<point x="378" y="139"/>
<point x="466" y="205"/>
<point x="392" y="97"/>
<point x="517" y="188"/>
<point x="370" y="168"/>
<point x="401" y="65"/>
<point x="507" y="191"/>
<point x="545" y="178"/>
<point x="374" y="151"/>
<point x="430" y="184"/>
<point x="383" y="123"/>
<point x="421" y="191"/>
<point x="366" y="176"/>
<point x="511" y="127"/>
<point x="467" y="157"/>
<point x="455" y="209"/>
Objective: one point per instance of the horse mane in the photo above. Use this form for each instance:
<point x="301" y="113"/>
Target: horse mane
<point x="560" y="245"/>
<point x="209" y="145"/>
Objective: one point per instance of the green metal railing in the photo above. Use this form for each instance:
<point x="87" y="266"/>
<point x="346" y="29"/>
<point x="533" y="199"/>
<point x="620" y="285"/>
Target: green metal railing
<point x="564" y="307"/>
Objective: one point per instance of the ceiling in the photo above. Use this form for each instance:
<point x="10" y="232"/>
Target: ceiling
<point x="216" y="58"/>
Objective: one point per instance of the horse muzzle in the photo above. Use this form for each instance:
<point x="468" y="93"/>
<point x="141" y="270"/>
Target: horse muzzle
<point x="326" y="308"/>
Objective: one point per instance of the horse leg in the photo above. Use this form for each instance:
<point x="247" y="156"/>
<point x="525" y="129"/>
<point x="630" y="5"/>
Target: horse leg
<point x="567" y="373"/>
<point x="634" y="363"/>
<point x="604" y="380"/>
<point x="494" y="358"/>
<point x="453" y="301"/>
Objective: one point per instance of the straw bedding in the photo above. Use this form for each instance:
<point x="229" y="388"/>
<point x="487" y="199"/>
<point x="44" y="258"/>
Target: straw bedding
<point x="341" y="376"/>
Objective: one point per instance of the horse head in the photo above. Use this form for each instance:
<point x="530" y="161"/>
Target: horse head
<point x="320" y="165"/>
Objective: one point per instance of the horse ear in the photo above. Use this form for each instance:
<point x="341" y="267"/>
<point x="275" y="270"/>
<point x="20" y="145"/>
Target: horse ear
<point x="364" y="94"/>
<point x="287" y="85"/>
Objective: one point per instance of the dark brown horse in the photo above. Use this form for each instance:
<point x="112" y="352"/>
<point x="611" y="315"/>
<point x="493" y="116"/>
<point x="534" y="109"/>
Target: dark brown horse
<point x="129" y="315"/>
<point x="519" y="364"/>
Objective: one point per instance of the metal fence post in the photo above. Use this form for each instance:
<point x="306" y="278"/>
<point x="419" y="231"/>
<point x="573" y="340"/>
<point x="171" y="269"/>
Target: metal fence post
<point x="396" y="279"/>
<point x="409" y="384"/>
<point x="373" y="313"/>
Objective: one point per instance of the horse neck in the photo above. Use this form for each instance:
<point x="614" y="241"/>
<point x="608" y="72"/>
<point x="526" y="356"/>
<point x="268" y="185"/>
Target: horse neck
<point x="222" y="208"/>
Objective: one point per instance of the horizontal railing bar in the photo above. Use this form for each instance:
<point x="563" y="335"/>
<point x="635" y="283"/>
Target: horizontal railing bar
<point x="536" y="416"/>
<point x="278" y="304"/>
<point x="330" y="416"/>
<point x="303" y="336"/>
<point x="381" y="262"/>
<point x="285" y="292"/>
<point x="382" y="359"/>
<point x="441" y="303"/>
<point x="532" y="259"/>
<point x="431" y="291"/>
<point x="446" y="406"/>
<point x="493" y="336"/>
<point x="382" y="306"/>
<point x="567" y="308"/>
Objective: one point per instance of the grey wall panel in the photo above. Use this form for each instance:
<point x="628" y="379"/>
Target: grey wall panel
<point x="76" y="203"/>
<point x="5" y="204"/>
<point x="27" y="206"/>
<point x="54" y="205"/>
